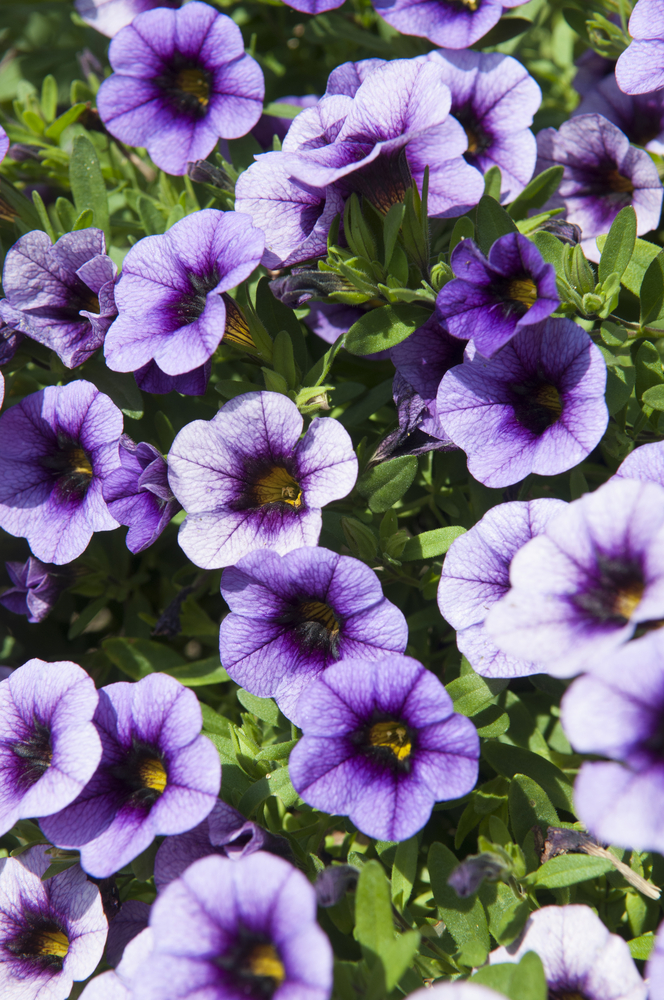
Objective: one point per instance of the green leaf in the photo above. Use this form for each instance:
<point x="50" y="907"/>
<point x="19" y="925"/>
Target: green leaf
<point x="283" y="359"/>
<point x="508" y="761"/>
<point x="46" y="223"/>
<point x="654" y="397"/>
<point x="551" y="248"/>
<point x="68" y="117"/>
<point x="507" y="27"/>
<point x="391" y="225"/>
<point x="143" y="865"/>
<point x="278" y="110"/>
<point x="83" y="221"/>
<point x="374" y="928"/>
<point x="49" y="97"/>
<point x="200" y="672"/>
<point x="464" y="229"/>
<point x="529" y="806"/>
<point x="619" y="246"/>
<point x="404" y="871"/>
<point x="273" y="313"/>
<point x="277" y="783"/>
<point x="19" y="205"/>
<point x="386" y="483"/>
<point x="384" y="327"/>
<point x="523" y="981"/>
<point x="276" y="751"/>
<point x="369" y="404"/>
<point x="472" y="693"/>
<point x="491" y="721"/>
<point x="492" y="183"/>
<point x="648" y="367"/>
<point x="465" y="918"/>
<point x="652" y="291"/>
<point x="120" y="386"/>
<point x="139" y="657"/>
<point x="87" y="183"/>
<point x="229" y="388"/>
<point x="535" y="194"/>
<point x="430" y="544"/>
<point x="642" y="258"/>
<point x="264" y="708"/>
<point x="569" y="869"/>
<point x="212" y="721"/>
<point x="86" y="616"/>
<point x="492" y="223"/>
<point x="640" y="947"/>
<point x="195" y="621"/>
<point x="152" y="220"/>
<point x="505" y="912"/>
<point x="319" y="372"/>
<point x="619" y="384"/>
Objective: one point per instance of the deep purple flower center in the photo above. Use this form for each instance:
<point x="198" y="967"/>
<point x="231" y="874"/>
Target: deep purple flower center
<point x="187" y="86"/>
<point x="315" y="626"/>
<point x="383" y="182"/>
<point x="518" y="294"/>
<point x="253" y="966"/>
<point x="389" y="742"/>
<point x="141" y="775"/>
<point x="237" y="329"/>
<point x="189" y="306"/>
<point x="70" y="468"/>
<point x="33" y="754"/>
<point x="41" y="942"/>
<point x="602" y="179"/>
<point x="79" y="297"/>
<point x="536" y="404"/>
<point x="479" y="140"/>
<point x="566" y="995"/>
<point x="614" y="594"/>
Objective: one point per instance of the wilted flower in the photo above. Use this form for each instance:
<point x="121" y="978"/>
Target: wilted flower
<point x="36" y="588"/>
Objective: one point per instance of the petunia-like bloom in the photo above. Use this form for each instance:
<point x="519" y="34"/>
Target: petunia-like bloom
<point x="579" y="954"/>
<point x="449" y="991"/>
<point x="49" y="748"/>
<point x="645" y="462"/>
<point x="247" y="481"/>
<point x="109" y="16"/>
<point x="491" y="300"/>
<point x="181" y="80"/>
<point x="61" y="294"/>
<point x="476" y="574"/>
<point x="225" y="831"/>
<point x="494" y="98"/>
<point x="293" y="616"/>
<point x="116" y="984"/>
<point x="382" y="743"/>
<point x="617" y="713"/>
<point x="536" y="406"/>
<point x="170" y="296"/>
<point x="655" y="967"/>
<point x="4" y="143"/>
<point x="36" y="588"/>
<point x="421" y="360"/>
<point x="640" y="67"/>
<point x="51" y="933"/>
<point x="445" y="22"/>
<point x="640" y="117"/>
<point x="138" y="494"/>
<point x="150" y="378"/>
<point x="603" y="173"/>
<point x="583" y="586"/>
<point x="237" y="930"/>
<point x="57" y="446"/>
<point x="419" y="429"/>
<point x="157" y="775"/>
<point x="127" y="924"/>
<point x="9" y="341"/>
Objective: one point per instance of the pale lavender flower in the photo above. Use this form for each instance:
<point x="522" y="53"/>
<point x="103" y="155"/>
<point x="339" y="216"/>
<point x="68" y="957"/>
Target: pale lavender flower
<point x="109" y="16"/>
<point x="640" y="68"/>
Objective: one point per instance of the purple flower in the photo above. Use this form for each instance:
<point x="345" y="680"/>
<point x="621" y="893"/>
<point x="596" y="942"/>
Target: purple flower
<point x="157" y="775"/>
<point x="349" y="76"/>
<point x="602" y="174"/>
<point x="441" y="990"/>
<point x="246" y="929"/>
<point x="583" y="586"/>
<point x="640" y="68"/>
<point x="225" y="832"/>
<point x="381" y="744"/>
<point x="592" y="68"/>
<point x="492" y="300"/>
<point x="51" y="933"/>
<point x="57" y="446"/>
<point x="494" y="98"/>
<point x="445" y="22"/>
<point x="268" y="126"/>
<point x="62" y="294"/>
<point x="579" y="955"/>
<point x="109" y="16"/>
<point x="293" y="616"/>
<point x="170" y="303"/>
<point x="419" y="429"/>
<point x="138" y="494"/>
<point x="131" y="920"/>
<point x="655" y="967"/>
<point x="247" y="480"/>
<point x="36" y="588"/>
<point x="150" y="378"/>
<point x="618" y="713"/>
<point x="4" y="143"/>
<point x="536" y="406"/>
<point x="9" y="341"/>
<point x="116" y="983"/>
<point x="641" y="117"/>
<point x="645" y="462"/>
<point x="49" y="748"/>
<point x="476" y="575"/>
<point x="330" y="319"/>
<point x="181" y="81"/>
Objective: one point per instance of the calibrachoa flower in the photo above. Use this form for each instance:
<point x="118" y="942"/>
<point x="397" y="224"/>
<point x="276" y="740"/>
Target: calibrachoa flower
<point x="489" y="301"/>
<point x="602" y="174"/>
<point x="138" y="494"/>
<point x="293" y="616"/>
<point x="36" y="588"/>
<point x="476" y="574"/>
<point x="116" y="984"/>
<point x="49" y="748"/>
<point x="419" y="428"/>
<point x="61" y="294"/>
<point x="109" y="16"/>
<point x="51" y="933"/>
<point x="181" y="81"/>
<point x="494" y="98"/>
<point x="618" y="713"/>
<point x="9" y="341"/>
<point x="536" y="406"/>
<point x="150" y="378"/>
<point x="170" y="303"/>
<point x="57" y="446"/>
<point x="640" y="68"/>
<point x="4" y="143"/>
<point x="422" y="359"/>
<point x="381" y="744"/>
<point x="247" y="480"/>
<point x="157" y="775"/>
<point x="449" y="991"/>
<point x="582" y="587"/>
<point x="124" y="927"/>
<point x="645" y="462"/>
<point x="641" y="117"/>
<point x="579" y="954"/>
<point x="231" y="931"/>
<point x="655" y="967"/>
<point x="445" y="22"/>
<point x="225" y="831"/>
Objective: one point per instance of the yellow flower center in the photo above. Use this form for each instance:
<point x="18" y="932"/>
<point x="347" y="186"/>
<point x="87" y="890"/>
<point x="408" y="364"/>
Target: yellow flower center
<point x="194" y="81"/>
<point x="278" y="485"/>
<point x="548" y="396"/>
<point x="620" y="184"/>
<point x="473" y="141"/>
<point x="316" y="611"/>
<point x="627" y="600"/>
<point x="52" y="942"/>
<point x="152" y="773"/>
<point x="264" y="961"/>
<point x="79" y="462"/>
<point x="523" y="290"/>
<point x="394" y="736"/>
